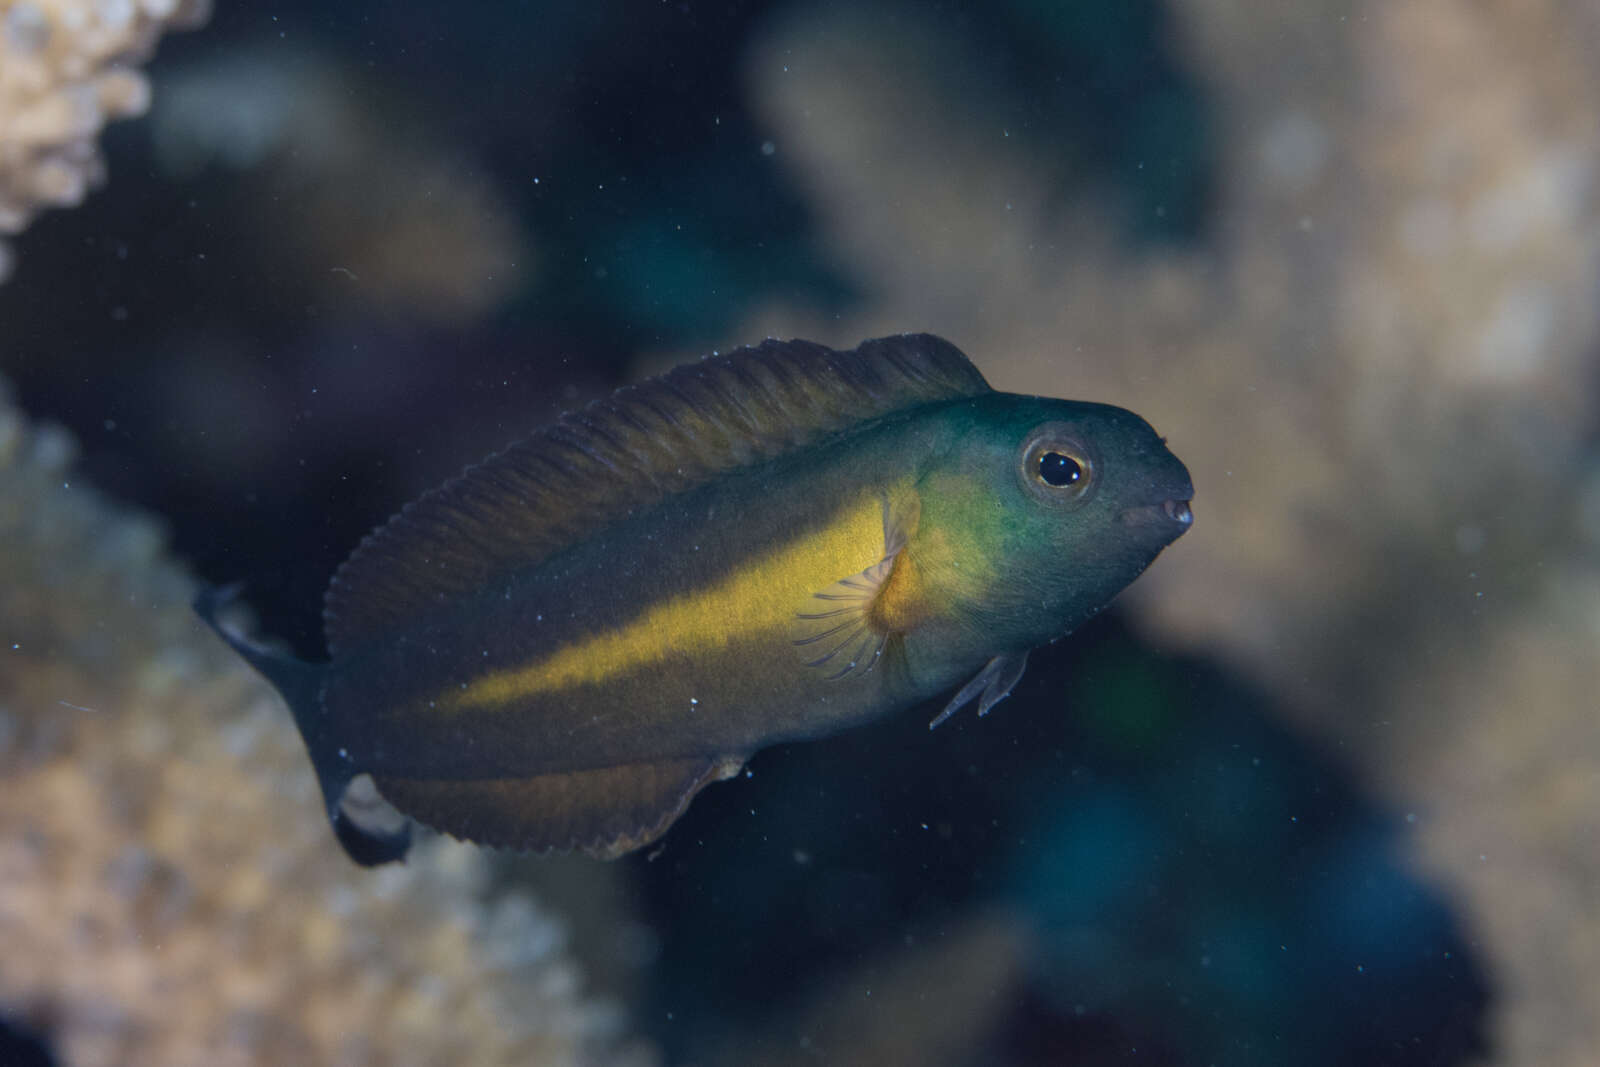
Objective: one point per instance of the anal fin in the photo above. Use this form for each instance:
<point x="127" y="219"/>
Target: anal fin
<point x="606" y="811"/>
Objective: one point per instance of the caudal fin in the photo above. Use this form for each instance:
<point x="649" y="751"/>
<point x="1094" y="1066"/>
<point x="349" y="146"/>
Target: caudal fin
<point x="369" y="830"/>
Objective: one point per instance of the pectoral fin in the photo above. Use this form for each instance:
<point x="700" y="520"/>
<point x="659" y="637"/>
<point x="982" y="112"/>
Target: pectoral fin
<point x="606" y="811"/>
<point x="837" y="634"/>
<point x="998" y="677"/>
<point x="843" y="629"/>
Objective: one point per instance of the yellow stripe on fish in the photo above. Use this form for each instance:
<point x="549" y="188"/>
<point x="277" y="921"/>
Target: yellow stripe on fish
<point x="760" y="596"/>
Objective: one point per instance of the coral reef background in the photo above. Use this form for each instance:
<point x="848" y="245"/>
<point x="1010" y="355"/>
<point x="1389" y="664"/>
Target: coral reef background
<point x="1326" y="788"/>
<point x="66" y="68"/>
<point x="165" y="894"/>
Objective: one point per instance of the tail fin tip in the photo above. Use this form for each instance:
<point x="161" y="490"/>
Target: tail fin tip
<point x="368" y="835"/>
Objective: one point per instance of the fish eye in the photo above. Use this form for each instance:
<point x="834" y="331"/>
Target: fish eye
<point x="1056" y="468"/>
<point x="1059" y="469"/>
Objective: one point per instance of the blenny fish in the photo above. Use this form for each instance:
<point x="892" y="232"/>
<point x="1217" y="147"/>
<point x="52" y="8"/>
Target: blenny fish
<point x="561" y="646"/>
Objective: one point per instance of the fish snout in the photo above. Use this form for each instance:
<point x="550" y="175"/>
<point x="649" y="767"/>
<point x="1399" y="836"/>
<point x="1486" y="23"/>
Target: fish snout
<point x="1164" y="508"/>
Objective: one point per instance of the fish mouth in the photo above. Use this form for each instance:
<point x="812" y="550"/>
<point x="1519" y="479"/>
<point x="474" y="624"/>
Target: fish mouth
<point x="1163" y="509"/>
<point x="1172" y="515"/>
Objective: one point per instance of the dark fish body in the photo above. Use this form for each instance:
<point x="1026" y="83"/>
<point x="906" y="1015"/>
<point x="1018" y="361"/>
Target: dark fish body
<point x="561" y="647"/>
<point x="750" y="692"/>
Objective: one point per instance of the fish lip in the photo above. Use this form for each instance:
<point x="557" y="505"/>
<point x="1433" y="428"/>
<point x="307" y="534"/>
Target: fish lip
<point x="1171" y="512"/>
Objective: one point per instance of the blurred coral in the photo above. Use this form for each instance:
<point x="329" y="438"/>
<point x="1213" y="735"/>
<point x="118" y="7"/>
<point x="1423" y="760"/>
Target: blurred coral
<point x="1511" y="792"/>
<point x="1379" y="362"/>
<point x="66" y="69"/>
<point x="168" y="891"/>
<point x="398" y="215"/>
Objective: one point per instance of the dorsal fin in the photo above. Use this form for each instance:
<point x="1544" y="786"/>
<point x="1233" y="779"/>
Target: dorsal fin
<point x="622" y="454"/>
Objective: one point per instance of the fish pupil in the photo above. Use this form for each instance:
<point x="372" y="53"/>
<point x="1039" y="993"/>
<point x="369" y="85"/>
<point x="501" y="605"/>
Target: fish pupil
<point x="1058" y="469"/>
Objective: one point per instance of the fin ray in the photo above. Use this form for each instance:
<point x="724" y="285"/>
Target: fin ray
<point x="859" y="593"/>
<point x="811" y="627"/>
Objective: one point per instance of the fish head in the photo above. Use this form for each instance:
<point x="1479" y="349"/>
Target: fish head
<point x="1057" y="506"/>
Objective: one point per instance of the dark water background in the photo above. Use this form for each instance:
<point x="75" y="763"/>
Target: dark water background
<point x="1148" y="850"/>
<point x="623" y="143"/>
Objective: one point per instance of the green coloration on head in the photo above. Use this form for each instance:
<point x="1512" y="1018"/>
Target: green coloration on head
<point x="1038" y="511"/>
